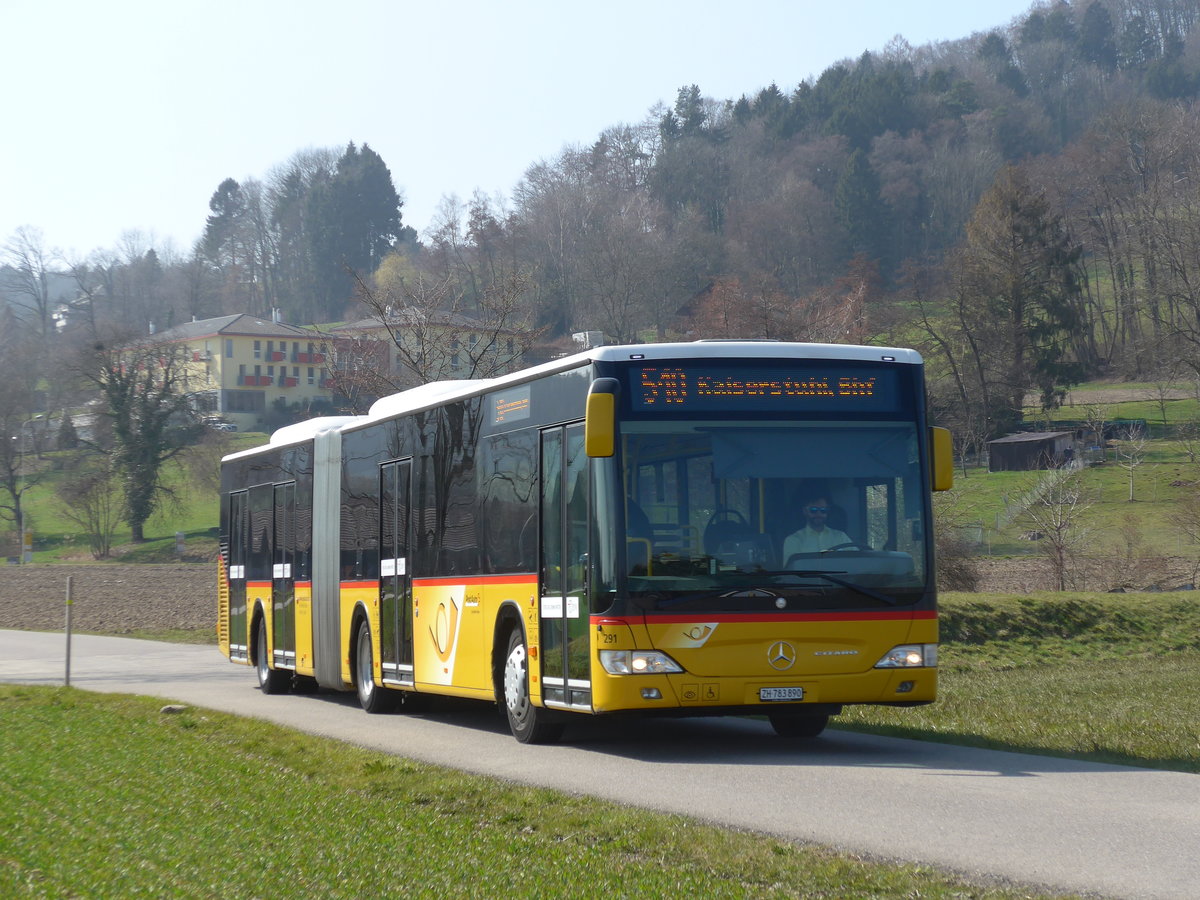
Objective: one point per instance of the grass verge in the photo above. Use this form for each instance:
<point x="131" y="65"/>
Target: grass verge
<point x="105" y="796"/>
<point x="1104" y="677"/>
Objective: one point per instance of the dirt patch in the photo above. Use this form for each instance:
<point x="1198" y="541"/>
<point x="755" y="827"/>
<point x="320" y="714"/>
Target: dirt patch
<point x="1021" y="576"/>
<point x="112" y="599"/>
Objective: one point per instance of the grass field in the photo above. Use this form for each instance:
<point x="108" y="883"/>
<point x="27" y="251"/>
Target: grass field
<point x="1115" y="526"/>
<point x="104" y="796"/>
<point x="1105" y="677"/>
<point x="193" y="510"/>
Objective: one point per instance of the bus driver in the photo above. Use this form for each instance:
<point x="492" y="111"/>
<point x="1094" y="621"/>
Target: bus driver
<point x="814" y="537"/>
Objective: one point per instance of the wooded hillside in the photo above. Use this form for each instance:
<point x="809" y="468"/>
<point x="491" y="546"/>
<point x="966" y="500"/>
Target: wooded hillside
<point x="1021" y="204"/>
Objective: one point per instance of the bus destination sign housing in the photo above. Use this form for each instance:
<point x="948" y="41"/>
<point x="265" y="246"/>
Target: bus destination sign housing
<point x="784" y="388"/>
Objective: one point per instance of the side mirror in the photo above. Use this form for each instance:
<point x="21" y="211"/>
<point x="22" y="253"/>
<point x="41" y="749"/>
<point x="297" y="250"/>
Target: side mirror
<point x="600" y="419"/>
<point x="941" y="458"/>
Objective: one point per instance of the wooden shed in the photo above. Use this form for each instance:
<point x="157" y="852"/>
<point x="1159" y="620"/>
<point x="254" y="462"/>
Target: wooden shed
<point x="1030" y="450"/>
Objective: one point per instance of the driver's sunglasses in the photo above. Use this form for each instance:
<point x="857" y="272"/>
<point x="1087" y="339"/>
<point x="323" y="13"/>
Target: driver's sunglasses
<point x="818" y="509"/>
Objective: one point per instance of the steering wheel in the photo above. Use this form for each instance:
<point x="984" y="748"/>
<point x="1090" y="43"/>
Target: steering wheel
<point x="842" y="546"/>
<point x="731" y="514"/>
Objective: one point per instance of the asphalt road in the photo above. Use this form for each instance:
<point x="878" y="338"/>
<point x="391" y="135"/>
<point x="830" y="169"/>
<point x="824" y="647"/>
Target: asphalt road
<point x="1070" y="826"/>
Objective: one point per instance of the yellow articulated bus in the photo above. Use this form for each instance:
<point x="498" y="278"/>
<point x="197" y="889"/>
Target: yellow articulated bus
<point x="709" y="528"/>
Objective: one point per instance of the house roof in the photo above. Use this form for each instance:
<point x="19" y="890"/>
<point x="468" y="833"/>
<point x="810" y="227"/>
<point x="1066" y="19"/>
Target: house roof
<point x="241" y="324"/>
<point x="1030" y="437"/>
<point x="409" y="316"/>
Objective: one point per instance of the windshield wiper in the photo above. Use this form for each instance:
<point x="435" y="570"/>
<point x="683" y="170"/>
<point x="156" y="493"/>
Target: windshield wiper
<point x="840" y="582"/>
<point x="808" y="573"/>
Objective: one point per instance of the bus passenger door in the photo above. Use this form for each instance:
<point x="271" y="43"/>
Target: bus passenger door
<point x="395" y="593"/>
<point x="565" y="640"/>
<point x="239" y="552"/>
<point x="283" y="579"/>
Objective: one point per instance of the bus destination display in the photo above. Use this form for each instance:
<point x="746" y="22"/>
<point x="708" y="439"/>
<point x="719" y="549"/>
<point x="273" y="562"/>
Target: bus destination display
<point x="800" y="389"/>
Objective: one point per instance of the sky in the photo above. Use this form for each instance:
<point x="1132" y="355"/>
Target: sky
<point x="121" y="118"/>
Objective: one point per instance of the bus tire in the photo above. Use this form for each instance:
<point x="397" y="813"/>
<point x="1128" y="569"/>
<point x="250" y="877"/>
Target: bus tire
<point x="529" y="724"/>
<point x="371" y="696"/>
<point x="270" y="681"/>
<point x="798" y="726"/>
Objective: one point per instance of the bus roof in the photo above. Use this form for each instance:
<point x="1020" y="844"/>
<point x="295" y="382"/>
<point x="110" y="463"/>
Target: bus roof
<point x="722" y="349"/>
<point x="435" y="393"/>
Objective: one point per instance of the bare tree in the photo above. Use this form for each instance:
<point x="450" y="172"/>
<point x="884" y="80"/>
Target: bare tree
<point x="1185" y="516"/>
<point x="433" y="335"/>
<point x="1131" y="452"/>
<point x="152" y="422"/>
<point x="1164" y="390"/>
<point x="956" y="566"/>
<point x="1055" y="512"/>
<point x="730" y="308"/>
<point x="1096" y="416"/>
<point x="91" y="497"/>
<point x="26" y="254"/>
<point x="19" y="470"/>
<point x="1187" y="439"/>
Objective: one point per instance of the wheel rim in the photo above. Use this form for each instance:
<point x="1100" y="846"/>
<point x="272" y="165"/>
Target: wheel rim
<point x="516" y="693"/>
<point x="366" y="675"/>
<point x="260" y="656"/>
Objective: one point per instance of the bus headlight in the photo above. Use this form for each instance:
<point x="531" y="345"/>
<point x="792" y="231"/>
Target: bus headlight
<point x="637" y="662"/>
<point x="909" y="656"/>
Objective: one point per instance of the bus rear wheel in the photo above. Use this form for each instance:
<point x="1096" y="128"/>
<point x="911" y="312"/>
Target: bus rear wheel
<point x="371" y="696"/>
<point x="270" y="681"/>
<point x="529" y="724"/>
<point x="798" y="726"/>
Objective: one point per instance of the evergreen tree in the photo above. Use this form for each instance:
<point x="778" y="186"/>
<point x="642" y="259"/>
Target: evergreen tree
<point x="743" y="112"/>
<point x="68" y="437"/>
<point x="1021" y="283"/>
<point x="872" y="99"/>
<point x="228" y="205"/>
<point x="1097" y="37"/>
<point x="372" y="207"/>
<point x="861" y="208"/>
<point x="1060" y="26"/>
<point x="352" y="221"/>
<point x="995" y="53"/>
<point x="1033" y="29"/>
<point x="773" y="108"/>
<point x="287" y="198"/>
<point x="690" y="112"/>
<point x="1138" y="48"/>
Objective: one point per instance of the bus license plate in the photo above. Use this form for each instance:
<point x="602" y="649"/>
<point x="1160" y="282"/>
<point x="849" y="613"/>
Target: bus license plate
<point x="781" y="693"/>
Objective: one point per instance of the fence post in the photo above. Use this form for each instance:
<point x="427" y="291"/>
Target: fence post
<point x="70" y="603"/>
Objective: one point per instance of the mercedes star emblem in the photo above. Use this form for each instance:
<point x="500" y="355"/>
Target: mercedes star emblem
<point x="782" y="655"/>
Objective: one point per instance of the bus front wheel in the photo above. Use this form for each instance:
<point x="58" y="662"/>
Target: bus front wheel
<point x="797" y="726"/>
<point x="529" y="724"/>
<point x="270" y="681"/>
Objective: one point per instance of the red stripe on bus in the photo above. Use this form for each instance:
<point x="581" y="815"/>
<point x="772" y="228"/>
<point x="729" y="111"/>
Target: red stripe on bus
<point x="451" y="580"/>
<point x="476" y="579"/>
<point x="882" y="615"/>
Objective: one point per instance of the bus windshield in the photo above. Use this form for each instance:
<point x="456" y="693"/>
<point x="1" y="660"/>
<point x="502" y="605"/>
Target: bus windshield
<point x="773" y="515"/>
